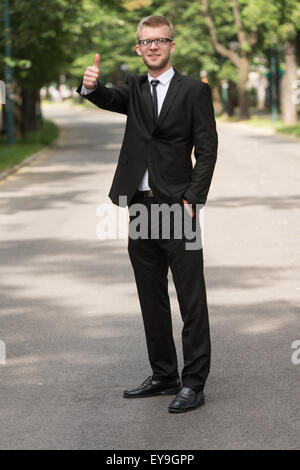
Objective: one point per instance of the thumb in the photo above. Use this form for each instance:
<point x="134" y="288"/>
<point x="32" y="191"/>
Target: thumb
<point x="97" y="60"/>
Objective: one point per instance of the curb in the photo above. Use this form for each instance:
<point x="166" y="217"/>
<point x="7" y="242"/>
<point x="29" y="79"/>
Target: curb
<point x="28" y="160"/>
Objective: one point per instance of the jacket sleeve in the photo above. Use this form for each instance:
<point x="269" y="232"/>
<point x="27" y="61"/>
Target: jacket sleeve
<point x="205" y="139"/>
<point x="111" y="99"/>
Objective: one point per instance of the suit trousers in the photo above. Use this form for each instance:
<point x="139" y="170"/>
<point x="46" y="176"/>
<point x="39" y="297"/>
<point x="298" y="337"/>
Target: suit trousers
<point x="151" y="258"/>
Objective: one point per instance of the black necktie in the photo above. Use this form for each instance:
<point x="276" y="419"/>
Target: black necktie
<point x="154" y="84"/>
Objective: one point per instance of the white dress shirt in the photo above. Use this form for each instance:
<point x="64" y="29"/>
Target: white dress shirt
<point x="162" y="88"/>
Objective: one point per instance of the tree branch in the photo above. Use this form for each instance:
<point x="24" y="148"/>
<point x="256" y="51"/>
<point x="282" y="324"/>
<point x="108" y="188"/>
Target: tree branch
<point x="237" y="19"/>
<point x="231" y="55"/>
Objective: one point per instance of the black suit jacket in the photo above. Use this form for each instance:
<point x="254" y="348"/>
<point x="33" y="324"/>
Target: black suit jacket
<point x="186" y="119"/>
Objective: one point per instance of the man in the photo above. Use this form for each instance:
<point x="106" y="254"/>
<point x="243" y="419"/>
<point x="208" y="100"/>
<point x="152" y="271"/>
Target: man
<point x="167" y="114"/>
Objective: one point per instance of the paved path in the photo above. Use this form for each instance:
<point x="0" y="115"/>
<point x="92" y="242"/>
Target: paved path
<point x="70" y="315"/>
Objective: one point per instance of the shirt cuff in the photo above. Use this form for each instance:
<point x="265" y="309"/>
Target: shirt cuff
<point x="85" y="91"/>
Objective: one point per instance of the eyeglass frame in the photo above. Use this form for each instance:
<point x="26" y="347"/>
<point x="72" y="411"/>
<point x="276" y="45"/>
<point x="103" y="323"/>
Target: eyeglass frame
<point x="153" y="40"/>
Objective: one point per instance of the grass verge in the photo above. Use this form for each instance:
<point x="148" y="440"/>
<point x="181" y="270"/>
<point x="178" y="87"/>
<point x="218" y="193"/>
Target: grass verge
<point x="266" y="121"/>
<point x="11" y="155"/>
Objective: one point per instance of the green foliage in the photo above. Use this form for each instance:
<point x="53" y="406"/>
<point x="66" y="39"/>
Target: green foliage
<point x="44" y="39"/>
<point x="11" y="155"/>
<point x="50" y="38"/>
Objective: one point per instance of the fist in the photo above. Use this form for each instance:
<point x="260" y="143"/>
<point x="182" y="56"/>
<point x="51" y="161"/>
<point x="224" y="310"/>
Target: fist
<point x="91" y="74"/>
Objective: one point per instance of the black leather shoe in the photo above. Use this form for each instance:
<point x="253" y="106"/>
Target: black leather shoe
<point x="186" y="400"/>
<point x="150" y="388"/>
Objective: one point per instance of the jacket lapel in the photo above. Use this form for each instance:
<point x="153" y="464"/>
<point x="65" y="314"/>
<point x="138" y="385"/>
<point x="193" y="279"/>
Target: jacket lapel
<point x="173" y="88"/>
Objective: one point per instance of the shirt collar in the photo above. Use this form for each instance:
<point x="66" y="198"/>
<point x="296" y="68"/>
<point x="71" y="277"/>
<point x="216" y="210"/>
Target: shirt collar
<point x="165" y="77"/>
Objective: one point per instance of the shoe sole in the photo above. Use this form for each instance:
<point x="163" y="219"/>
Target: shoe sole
<point x="170" y="391"/>
<point x="191" y="408"/>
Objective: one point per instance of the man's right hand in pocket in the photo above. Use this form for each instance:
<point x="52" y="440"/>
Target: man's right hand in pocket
<point x="91" y="74"/>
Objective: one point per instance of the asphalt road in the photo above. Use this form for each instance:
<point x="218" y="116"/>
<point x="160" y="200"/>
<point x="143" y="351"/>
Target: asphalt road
<point x="70" y="315"/>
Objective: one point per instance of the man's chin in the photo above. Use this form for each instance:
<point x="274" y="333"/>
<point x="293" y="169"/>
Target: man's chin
<point x="156" y="66"/>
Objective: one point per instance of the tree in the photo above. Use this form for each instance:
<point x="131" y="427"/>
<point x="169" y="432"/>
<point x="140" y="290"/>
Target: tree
<point x="278" y="24"/>
<point x="288" y="29"/>
<point x="240" y="57"/>
<point x="45" y="39"/>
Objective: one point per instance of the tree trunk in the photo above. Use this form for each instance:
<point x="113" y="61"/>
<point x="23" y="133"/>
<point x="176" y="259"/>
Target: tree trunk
<point x="18" y="117"/>
<point x="288" y="104"/>
<point x="29" y="100"/>
<point x="242" y="88"/>
<point x="39" y="114"/>
<point x="217" y="100"/>
<point x="261" y="92"/>
<point x="232" y="97"/>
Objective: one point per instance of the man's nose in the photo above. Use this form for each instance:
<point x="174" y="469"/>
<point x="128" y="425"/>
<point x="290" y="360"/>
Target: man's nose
<point x="153" y="46"/>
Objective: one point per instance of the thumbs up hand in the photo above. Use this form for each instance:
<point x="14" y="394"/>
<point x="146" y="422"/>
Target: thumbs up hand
<point x="91" y="74"/>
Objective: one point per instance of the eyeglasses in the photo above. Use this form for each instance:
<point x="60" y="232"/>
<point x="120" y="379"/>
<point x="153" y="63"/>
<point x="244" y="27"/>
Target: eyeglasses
<point x="158" y="42"/>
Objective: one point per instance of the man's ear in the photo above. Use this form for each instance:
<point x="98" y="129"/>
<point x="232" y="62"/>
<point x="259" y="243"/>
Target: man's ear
<point x="138" y="50"/>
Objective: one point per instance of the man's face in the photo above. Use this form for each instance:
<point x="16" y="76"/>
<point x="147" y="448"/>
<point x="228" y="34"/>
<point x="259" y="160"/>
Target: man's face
<point x="155" y="57"/>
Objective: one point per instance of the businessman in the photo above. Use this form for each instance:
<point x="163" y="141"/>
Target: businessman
<point x="167" y="115"/>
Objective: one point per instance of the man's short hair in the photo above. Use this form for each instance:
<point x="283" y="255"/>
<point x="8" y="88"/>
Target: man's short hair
<point x="155" y="20"/>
